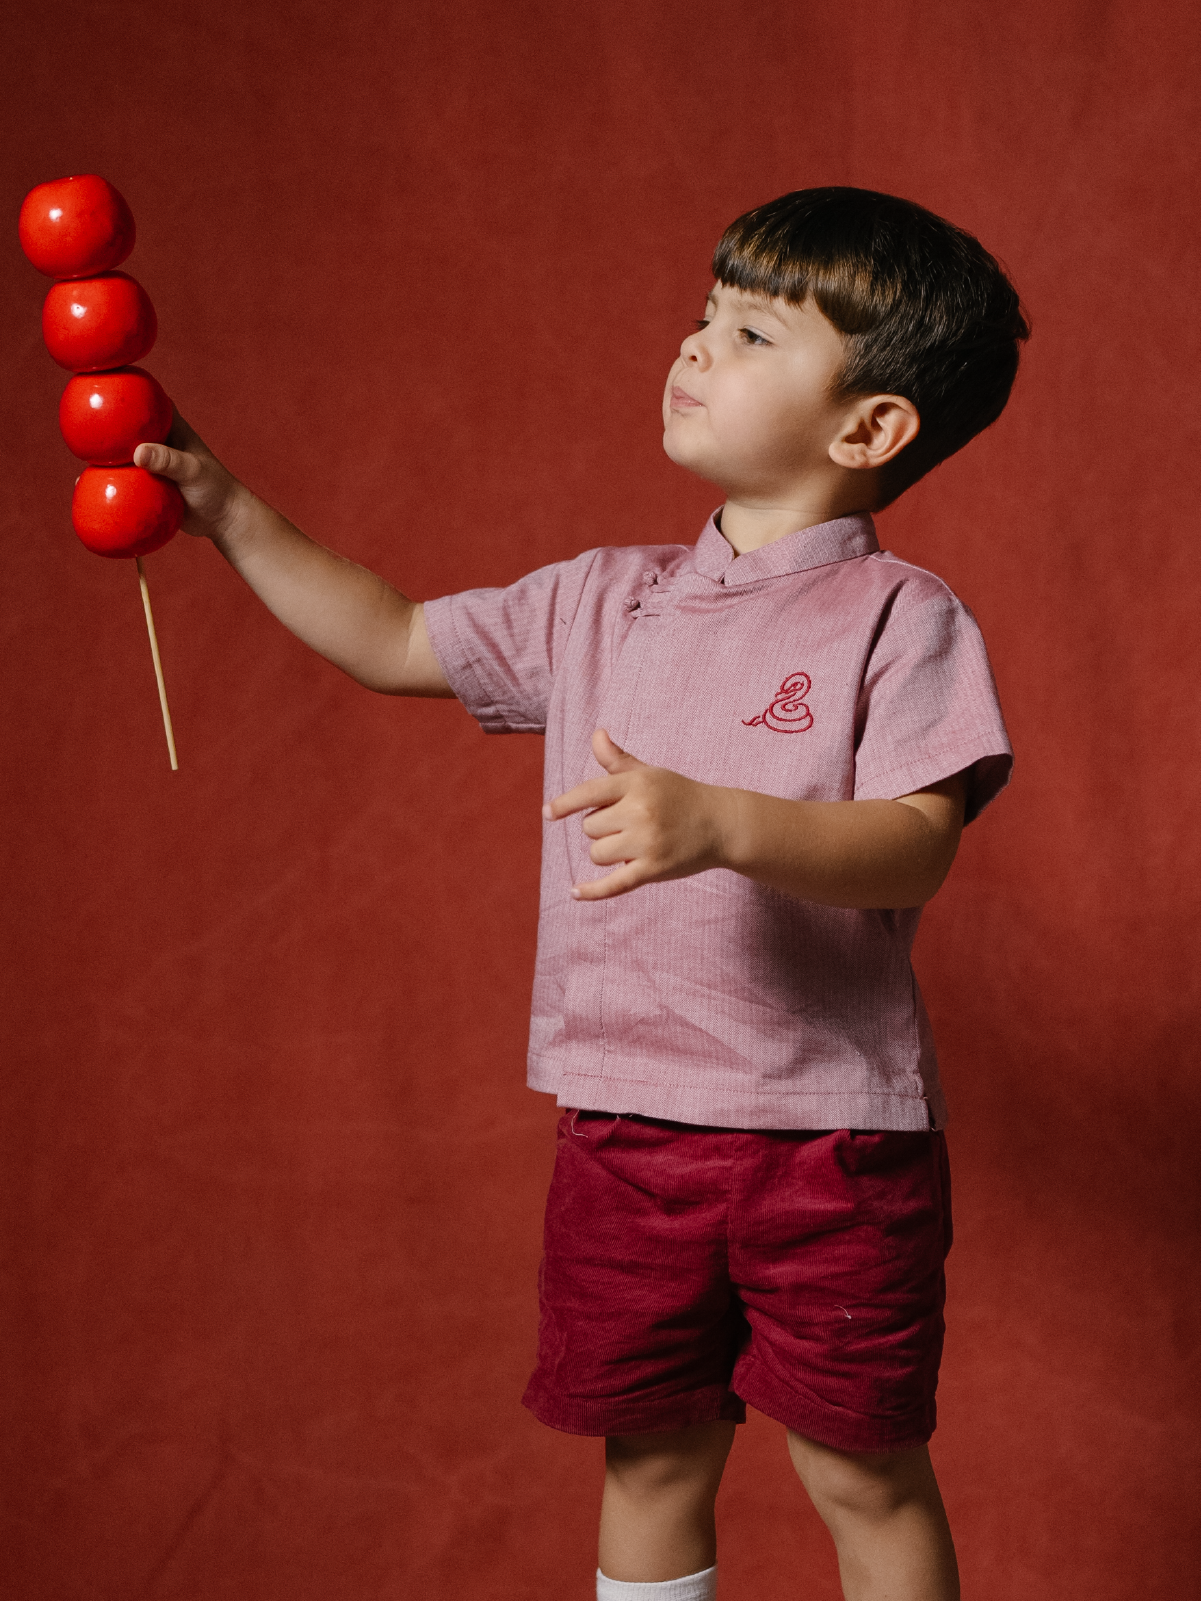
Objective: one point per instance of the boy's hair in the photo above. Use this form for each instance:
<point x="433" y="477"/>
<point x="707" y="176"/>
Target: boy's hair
<point x="925" y="311"/>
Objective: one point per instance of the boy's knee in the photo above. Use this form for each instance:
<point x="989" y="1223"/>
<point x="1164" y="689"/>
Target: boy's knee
<point x="870" y="1486"/>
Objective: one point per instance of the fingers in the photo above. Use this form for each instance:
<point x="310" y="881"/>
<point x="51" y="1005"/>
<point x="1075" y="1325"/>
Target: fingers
<point x="597" y="792"/>
<point x="610" y="755"/>
<point x="619" y="882"/>
<point x="606" y="821"/>
<point x="168" y="459"/>
<point x="613" y="847"/>
<point x="184" y="437"/>
<point x="600" y="797"/>
<point x="212" y="494"/>
<point x="178" y="465"/>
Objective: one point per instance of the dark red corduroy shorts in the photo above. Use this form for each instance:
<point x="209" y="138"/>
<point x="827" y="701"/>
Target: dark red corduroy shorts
<point x="688" y="1271"/>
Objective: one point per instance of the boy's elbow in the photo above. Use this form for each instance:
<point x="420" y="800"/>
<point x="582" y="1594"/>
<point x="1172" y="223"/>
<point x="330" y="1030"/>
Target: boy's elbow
<point x="924" y="887"/>
<point x="940" y="810"/>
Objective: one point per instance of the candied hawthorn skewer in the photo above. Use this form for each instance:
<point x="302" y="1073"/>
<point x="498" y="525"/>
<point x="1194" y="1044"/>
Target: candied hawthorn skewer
<point x="95" y="322"/>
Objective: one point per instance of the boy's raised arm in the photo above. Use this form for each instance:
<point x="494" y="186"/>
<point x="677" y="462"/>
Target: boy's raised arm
<point x="347" y="614"/>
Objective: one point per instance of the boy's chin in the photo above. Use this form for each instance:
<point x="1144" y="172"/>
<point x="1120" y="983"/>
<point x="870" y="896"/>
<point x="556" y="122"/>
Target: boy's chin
<point x="694" y="461"/>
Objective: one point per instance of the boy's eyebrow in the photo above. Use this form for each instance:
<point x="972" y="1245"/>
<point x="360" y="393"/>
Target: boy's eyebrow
<point x="759" y="303"/>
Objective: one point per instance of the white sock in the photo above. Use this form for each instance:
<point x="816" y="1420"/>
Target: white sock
<point x="695" y="1587"/>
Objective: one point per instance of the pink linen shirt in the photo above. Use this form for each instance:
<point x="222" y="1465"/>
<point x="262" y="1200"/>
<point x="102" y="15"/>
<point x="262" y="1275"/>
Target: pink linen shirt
<point x="815" y="668"/>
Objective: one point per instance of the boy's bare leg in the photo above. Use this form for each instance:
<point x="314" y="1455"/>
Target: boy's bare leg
<point x="657" y="1512"/>
<point x="886" y="1515"/>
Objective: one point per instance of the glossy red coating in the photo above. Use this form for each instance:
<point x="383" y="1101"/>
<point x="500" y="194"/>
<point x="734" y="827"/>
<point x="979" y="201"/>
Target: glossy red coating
<point x="125" y="511"/>
<point x="92" y="324"/>
<point x="104" y="416"/>
<point x="75" y="227"/>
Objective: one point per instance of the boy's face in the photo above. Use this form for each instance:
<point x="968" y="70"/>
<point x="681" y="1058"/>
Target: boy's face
<point x="748" y="404"/>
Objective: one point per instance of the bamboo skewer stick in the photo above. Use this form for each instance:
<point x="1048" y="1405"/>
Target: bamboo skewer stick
<point x="158" y="665"/>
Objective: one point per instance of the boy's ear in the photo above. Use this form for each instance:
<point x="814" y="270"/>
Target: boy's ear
<point x="874" y="429"/>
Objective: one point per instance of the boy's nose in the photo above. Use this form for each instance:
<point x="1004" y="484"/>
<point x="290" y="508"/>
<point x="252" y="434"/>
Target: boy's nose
<point x="693" y="349"/>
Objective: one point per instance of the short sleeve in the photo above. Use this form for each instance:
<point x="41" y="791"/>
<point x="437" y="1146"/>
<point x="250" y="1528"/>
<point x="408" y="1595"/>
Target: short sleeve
<point x="928" y="704"/>
<point x="499" y="648"/>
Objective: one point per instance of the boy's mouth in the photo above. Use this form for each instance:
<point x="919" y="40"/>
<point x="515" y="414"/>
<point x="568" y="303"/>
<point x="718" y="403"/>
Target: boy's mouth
<point x="681" y="400"/>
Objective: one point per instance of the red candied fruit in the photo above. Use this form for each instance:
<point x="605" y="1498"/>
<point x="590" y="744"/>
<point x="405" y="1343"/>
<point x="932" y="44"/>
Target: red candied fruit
<point x="92" y="324"/>
<point x="105" y="416"/>
<point x="75" y="227"/>
<point x="125" y="511"/>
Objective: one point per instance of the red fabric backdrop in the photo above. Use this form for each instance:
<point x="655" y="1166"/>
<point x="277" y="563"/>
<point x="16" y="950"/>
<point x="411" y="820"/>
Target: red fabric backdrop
<point x="272" y="1180"/>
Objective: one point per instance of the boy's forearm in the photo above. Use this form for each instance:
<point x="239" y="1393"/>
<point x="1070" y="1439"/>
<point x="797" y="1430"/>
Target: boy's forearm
<point x="650" y="824"/>
<point x="868" y="853"/>
<point x="350" y="616"/>
<point x="347" y="614"/>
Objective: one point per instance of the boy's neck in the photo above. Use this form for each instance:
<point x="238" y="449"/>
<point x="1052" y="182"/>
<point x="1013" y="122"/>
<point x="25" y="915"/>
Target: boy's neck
<point x="750" y="527"/>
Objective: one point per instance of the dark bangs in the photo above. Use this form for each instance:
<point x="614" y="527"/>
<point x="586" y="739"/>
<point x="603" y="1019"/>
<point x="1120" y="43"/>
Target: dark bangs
<point x="926" y="312"/>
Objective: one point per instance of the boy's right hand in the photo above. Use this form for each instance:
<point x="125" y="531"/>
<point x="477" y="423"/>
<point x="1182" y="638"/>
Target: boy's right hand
<point x="213" y="496"/>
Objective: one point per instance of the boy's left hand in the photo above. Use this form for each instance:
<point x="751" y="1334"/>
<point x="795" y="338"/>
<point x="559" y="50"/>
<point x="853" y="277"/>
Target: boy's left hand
<point x="657" y="824"/>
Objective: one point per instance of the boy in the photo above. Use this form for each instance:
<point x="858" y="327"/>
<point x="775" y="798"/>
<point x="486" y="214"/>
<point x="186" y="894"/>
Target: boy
<point x="774" y="740"/>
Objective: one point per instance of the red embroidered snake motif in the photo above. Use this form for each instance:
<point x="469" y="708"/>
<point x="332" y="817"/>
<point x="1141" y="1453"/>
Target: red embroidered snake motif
<point x="787" y="713"/>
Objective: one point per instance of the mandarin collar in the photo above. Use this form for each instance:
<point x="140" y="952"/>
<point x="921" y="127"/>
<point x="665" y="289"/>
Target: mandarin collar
<point x="839" y="540"/>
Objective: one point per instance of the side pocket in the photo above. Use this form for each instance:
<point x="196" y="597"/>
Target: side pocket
<point x="593" y="1127"/>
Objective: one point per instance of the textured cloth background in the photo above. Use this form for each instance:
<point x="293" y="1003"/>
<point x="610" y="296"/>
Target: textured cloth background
<point x="272" y="1183"/>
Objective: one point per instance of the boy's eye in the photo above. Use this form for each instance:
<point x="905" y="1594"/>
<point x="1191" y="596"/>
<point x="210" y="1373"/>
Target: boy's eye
<point x="701" y="322"/>
<point x="751" y="337"/>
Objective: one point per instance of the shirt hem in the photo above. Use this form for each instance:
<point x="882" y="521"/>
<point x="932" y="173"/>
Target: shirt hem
<point x="910" y="777"/>
<point x="727" y="1107"/>
<point x="464" y="673"/>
